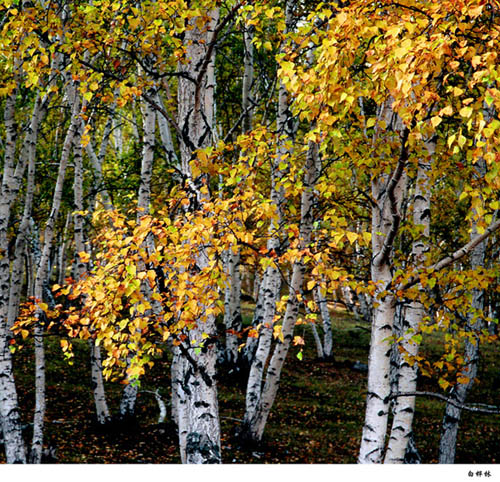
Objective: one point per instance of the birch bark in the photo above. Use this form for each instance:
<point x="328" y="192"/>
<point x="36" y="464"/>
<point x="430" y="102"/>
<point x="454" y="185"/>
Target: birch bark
<point x="451" y="419"/>
<point x="41" y="278"/>
<point x="258" y="422"/>
<point x="129" y="395"/>
<point x="232" y="307"/>
<point x="11" y="181"/>
<point x="327" y="323"/>
<point x="18" y="264"/>
<point x="271" y="281"/>
<point x="413" y="314"/>
<point x="387" y="193"/>
<point x="102" y="411"/>
<point x="9" y="408"/>
<point x="232" y="298"/>
<point x="194" y="380"/>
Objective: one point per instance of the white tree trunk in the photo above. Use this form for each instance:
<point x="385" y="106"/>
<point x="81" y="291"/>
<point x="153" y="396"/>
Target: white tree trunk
<point x="451" y="420"/>
<point x="97" y="161"/>
<point x="413" y="314"/>
<point x="248" y="79"/>
<point x="317" y="341"/>
<point x="11" y="181"/>
<point x="41" y="279"/>
<point x="62" y="255"/>
<point x="271" y="282"/>
<point x="251" y="342"/>
<point x="232" y="306"/>
<point x="257" y="424"/>
<point x="195" y="384"/>
<point x="129" y="395"/>
<point x="387" y="192"/>
<point x="165" y="133"/>
<point x="327" y="323"/>
<point x="18" y="265"/>
<point x="102" y="411"/>
<point x="9" y="408"/>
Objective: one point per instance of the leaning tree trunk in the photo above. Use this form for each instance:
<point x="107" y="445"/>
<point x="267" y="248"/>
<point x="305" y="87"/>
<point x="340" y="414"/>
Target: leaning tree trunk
<point x="251" y="342"/>
<point x="97" y="159"/>
<point x="413" y="315"/>
<point x="257" y="424"/>
<point x="451" y="420"/>
<point x="232" y="307"/>
<point x="271" y="281"/>
<point x="18" y="266"/>
<point x="232" y="295"/>
<point x="387" y="192"/>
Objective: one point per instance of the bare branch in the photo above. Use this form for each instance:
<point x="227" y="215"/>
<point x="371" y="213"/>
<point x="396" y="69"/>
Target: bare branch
<point x="471" y="408"/>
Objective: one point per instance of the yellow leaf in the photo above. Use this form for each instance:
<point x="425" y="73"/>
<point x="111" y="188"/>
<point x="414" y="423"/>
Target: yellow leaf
<point x="278" y="332"/>
<point x="466" y="112"/>
<point x="435" y="121"/>
<point x="352" y="237"/>
<point x="448" y="110"/>
<point x="84" y="256"/>
<point x="444" y="384"/>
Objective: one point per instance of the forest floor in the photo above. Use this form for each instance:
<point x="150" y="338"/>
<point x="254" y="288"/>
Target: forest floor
<point x="317" y="417"/>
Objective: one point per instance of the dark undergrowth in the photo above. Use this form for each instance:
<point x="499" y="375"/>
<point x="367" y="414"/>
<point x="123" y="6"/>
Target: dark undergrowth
<point x="317" y="417"/>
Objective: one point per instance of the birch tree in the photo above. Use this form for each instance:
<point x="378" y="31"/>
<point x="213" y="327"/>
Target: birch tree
<point x="81" y="268"/>
<point x="474" y="325"/>
<point x="413" y="315"/>
<point x="194" y="378"/>
<point x="269" y="292"/>
<point x="127" y="403"/>
<point x="13" y="440"/>
<point x="42" y="278"/>
<point x="270" y="389"/>
<point x="232" y="302"/>
<point x="387" y="193"/>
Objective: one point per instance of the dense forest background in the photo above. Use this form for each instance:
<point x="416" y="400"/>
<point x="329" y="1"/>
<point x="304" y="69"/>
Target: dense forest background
<point x="249" y="232"/>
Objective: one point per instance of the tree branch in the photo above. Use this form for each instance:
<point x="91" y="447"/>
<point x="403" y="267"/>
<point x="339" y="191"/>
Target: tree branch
<point x="391" y="187"/>
<point x="471" y="408"/>
<point x="460" y="253"/>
